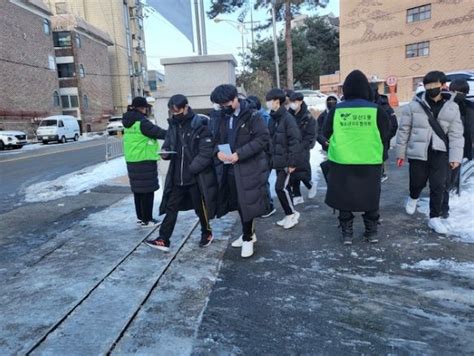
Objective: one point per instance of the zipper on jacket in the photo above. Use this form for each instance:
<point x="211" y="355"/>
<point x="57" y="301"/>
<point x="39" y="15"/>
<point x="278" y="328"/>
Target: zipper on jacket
<point x="182" y="160"/>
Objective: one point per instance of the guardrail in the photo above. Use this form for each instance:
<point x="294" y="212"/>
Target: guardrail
<point x="113" y="146"/>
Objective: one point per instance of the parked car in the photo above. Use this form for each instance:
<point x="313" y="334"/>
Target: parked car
<point x="115" y="125"/>
<point x="466" y="75"/>
<point x="314" y="98"/>
<point x="59" y="128"/>
<point x="12" y="139"/>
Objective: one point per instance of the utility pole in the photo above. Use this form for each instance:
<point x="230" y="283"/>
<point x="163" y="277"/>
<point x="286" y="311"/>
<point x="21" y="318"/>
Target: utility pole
<point x="275" y="45"/>
<point x="251" y="23"/>
<point x="203" y="27"/>
<point x="198" y="27"/>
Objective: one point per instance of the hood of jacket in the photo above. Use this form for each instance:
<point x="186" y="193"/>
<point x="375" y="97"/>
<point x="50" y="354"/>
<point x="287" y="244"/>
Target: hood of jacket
<point x="130" y="117"/>
<point x="356" y="86"/>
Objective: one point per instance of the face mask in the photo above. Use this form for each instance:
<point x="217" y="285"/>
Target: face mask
<point x="178" y="116"/>
<point x="294" y="106"/>
<point x="433" y="93"/>
<point x="228" y="110"/>
<point x="216" y="107"/>
<point x="269" y="105"/>
<point x="460" y="97"/>
<point x="287" y="106"/>
<point x="331" y="104"/>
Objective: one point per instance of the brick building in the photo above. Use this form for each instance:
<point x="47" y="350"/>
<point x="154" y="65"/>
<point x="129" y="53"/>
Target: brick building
<point x="28" y="79"/>
<point x="123" y="21"/>
<point x="406" y="38"/>
<point x="85" y="82"/>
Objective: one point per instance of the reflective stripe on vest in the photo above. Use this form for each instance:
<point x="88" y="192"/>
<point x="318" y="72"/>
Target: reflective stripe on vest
<point x="137" y="147"/>
<point x="356" y="137"/>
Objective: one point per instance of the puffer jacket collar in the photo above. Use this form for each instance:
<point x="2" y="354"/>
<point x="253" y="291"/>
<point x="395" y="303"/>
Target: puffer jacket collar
<point x="277" y="115"/>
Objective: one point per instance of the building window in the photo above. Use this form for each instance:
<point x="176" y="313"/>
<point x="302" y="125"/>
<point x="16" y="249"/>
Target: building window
<point x="78" y="41"/>
<point x="56" y="101"/>
<point x="66" y="70"/>
<point x="420" y="49"/>
<point x="418" y="81"/>
<point x="152" y="85"/>
<point x="62" y="39"/>
<point x="46" y="27"/>
<point x="419" y="13"/>
<point x="61" y="8"/>
<point x="69" y="101"/>
<point x="51" y="62"/>
<point x="82" y="72"/>
<point x="85" y="102"/>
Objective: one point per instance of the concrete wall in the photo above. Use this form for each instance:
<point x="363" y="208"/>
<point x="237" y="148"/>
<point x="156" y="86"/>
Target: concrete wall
<point x="374" y="34"/>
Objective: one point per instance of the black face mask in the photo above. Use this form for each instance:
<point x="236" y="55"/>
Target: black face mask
<point x="459" y="98"/>
<point x="331" y="104"/>
<point x="178" y="116"/>
<point x="228" y="110"/>
<point x="433" y="93"/>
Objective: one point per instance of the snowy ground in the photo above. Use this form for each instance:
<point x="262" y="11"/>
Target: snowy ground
<point x="77" y="182"/>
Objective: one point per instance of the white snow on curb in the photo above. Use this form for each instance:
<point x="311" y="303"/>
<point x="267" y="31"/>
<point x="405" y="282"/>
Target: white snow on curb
<point x="461" y="212"/>
<point x="465" y="269"/>
<point x="77" y="182"/>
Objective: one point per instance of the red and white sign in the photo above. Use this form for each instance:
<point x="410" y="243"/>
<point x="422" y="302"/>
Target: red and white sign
<point x="391" y="80"/>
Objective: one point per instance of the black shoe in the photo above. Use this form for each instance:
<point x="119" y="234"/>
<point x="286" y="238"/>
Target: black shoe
<point x="372" y="238"/>
<point x="384" y="178"/>
<point x="347" y="240"/>
<point x="151" y="223"/>
<point x="206" y="240"/>
<point x="159" y="244"/>
<point x="347" y="231"/>
<point x="370" y="233"/>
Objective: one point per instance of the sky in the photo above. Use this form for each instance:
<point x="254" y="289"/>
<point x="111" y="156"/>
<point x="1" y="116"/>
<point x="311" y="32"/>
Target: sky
<point x="164" y="41"/>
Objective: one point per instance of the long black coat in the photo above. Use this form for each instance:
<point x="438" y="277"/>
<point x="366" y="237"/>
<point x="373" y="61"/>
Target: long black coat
<point x="307" y="125"/>
<point x="143" y="176"/>
<point x="199" y="148"/>
<point x="355" y="187"/>
<point x="286" y="148"/>
<point x="252" y="169"/>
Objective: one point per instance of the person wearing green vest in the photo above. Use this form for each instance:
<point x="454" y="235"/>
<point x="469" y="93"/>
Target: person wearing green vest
<point x="141" y="154"/>
<point x="356" y="130"/>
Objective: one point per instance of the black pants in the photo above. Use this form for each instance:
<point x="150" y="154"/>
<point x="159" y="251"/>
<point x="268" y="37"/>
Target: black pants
<point x="282" y="188"/>
<point x="144" y="206"/>
<point x="433" y="170"/>
<point x="295" y="182"/>
<point x="370" y="215"/>
<point x="248" y="227"/>
<point x="175" y="201"/>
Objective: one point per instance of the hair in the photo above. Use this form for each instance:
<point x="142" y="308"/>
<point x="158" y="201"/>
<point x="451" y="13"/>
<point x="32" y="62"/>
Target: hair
<point x="276" y="94"/>
<point x="224" y="93"/>
<point x="179" y="101"/>
<point x="434" y="77"/>
<point x="254" y="102"/>
<point x="296" y="96"/>
<point x="460" y="85"/>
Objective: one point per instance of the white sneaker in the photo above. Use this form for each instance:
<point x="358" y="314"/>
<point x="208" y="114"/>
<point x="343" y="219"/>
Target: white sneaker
<point x="437" y="225"/>
<point x="410" y="206"/>
<point x="312" y="192"/>
<point x="282" y="221"/>
<point x="247" y="249"/>
<point x="240" y="241"/>
<point x="298" y="201"/>
<point x="291" y="221"/>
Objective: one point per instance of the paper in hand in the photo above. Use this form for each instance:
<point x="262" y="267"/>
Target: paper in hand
<point x="225" y="149"/>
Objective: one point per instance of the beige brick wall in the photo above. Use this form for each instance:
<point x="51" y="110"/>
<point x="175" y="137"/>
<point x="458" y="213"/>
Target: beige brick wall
<point x="24" y="88"/>
<point x="374" y="34"/>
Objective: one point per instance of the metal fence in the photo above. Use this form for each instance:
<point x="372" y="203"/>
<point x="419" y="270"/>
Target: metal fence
<point x="113" y="147"/>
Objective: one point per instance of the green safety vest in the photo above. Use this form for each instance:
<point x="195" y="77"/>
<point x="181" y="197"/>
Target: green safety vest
<point x="356" y="137"/>
<point x="137" y="147"/>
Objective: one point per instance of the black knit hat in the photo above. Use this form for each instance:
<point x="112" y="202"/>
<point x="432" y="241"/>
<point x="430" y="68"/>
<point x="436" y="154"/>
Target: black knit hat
<point x="140" y="102"/>
<point x="356" y="86"/>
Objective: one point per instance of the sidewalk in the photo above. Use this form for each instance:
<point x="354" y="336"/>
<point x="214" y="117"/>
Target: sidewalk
<point x="305" y="293"/>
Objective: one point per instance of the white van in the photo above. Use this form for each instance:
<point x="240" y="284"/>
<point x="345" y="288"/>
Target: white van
<point x="59" y="128"/>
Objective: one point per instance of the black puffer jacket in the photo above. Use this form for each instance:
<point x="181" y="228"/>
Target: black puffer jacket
<point x="143" y="175"/>
<point x="252" y="169"/>
<point x="286" y="146"/>
<point x="307" y="125"/>
<point x="382" y="101"/>
<point x="323" y="141"/>
<point x="191" y="138"/>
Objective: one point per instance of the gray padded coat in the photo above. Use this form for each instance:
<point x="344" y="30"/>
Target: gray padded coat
<point x="415" y="133"/>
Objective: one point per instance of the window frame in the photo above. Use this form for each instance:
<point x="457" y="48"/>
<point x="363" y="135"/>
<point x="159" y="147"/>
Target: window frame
<point x="56" y="99"/>
<point x="73" y="73"/>
<point x="415" y="14"/>
<point x="85" y="102"/>
<point x="82" y="71"/>
<point x="63" y="10"/>
<point x="46" y="27"/>
<point x="60" y="42"/>
<point x="418" y="49"/>
<point x="78" y="40"/>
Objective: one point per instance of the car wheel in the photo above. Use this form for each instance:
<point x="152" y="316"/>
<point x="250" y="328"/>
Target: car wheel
<point x="76" y="137"/>
<point x="63" y="139"/>
<point x="2" y="146"/>
<point x="45" y="142"/>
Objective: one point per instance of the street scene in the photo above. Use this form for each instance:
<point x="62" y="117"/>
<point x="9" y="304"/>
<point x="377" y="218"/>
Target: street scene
<point x="211" y="177"/>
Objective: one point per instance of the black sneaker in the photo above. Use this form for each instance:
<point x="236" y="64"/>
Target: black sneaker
<point x="159" y="244"/>
<point x="206" y="240"/>
<point x="347" y="240"/>
<point x="139" y="222"/>
<point x="384" y="178"/>
<point x="151" y="223"/>
<point x="372" y="238"/>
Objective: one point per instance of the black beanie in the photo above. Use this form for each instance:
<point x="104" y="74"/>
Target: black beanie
<point x="356" y="86"/>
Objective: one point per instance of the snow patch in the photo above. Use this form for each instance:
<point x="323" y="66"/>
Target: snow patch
<point x="465" y="269"/>
<point x="77" y="182"/>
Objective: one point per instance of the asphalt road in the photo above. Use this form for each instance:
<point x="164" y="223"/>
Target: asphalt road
<point x="19" y="169"/>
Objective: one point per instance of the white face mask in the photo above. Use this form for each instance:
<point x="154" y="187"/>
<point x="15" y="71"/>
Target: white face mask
<point x="269" y="105"/>
<point x="216" y="107"/>
<point x="294" y="106"/>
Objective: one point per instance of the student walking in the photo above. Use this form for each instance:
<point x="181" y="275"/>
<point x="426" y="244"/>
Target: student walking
<point x="140" y="150"/>
<point x="190" y="181"/>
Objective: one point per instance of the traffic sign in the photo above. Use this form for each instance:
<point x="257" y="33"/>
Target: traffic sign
<point x="391" y="80"/>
